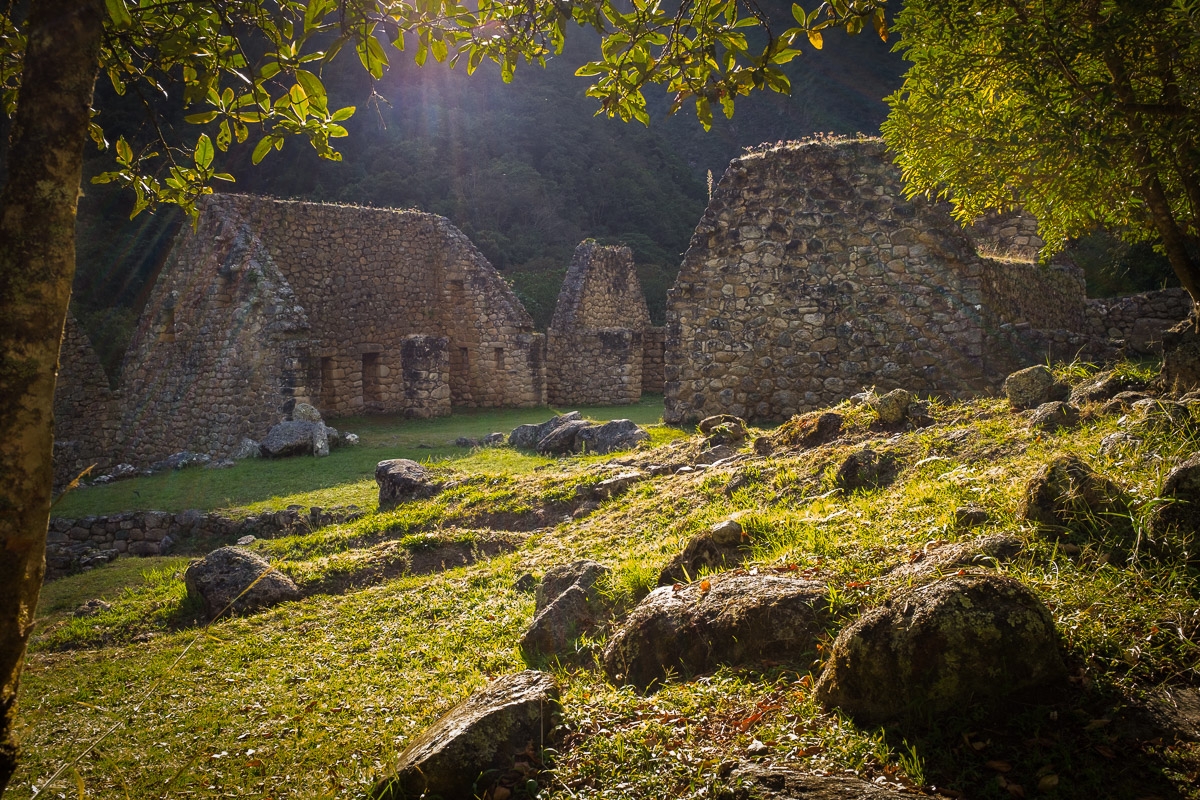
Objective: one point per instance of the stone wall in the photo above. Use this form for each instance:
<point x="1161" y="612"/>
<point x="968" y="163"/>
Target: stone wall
<point x="596" y="342"/>
<point x="355" y="310"/>
<point x="1044" y="295"/>
<point x="810" y="277"/>
<point x="1010" y="235"/>
<point x="654" y="342"/>
<point x="74" y="544"/>
<point x="1139" y="319"/>
<point x="86" y="416"/>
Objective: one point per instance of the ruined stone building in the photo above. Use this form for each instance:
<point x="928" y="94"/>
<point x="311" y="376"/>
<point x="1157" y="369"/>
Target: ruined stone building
<point x="811" y="277"/>
<point x="86" y="409"/>
<point x="268" y="302"/>
<point x="601" y="348"/>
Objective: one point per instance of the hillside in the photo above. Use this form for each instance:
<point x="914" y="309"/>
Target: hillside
<point x="317" y="697"/>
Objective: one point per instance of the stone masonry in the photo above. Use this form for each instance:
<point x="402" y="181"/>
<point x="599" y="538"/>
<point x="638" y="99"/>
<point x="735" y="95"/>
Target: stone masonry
<point x="85" y="408"/>
<point x="355" y="310"/>
<point x="601" y="348"/>
<point x="811" y="277"/>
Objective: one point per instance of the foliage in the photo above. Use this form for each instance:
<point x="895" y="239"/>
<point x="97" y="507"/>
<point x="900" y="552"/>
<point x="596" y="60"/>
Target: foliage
<point x="1086" y="114"/>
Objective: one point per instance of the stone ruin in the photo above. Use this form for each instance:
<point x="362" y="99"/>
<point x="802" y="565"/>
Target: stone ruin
<point x="601" y="348"/>
<point x="267" y="303"/>
<point x="811" y="277"/>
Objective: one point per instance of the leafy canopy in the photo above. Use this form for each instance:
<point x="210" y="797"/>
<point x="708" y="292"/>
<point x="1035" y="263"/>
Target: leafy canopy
<point x="251" y="71"/>
<point x="1073" y="109"/>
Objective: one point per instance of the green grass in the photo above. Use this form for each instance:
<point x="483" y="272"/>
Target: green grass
<point x="314" y="699"/>
<point x="346" y="476"/>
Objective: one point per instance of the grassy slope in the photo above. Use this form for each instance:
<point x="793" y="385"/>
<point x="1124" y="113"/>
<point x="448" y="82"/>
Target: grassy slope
<point x="346" y="476"/>
<point x="315" y="698"/>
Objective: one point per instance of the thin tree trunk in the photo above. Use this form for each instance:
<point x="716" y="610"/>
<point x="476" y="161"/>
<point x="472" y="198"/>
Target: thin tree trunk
<point x="37" y="264"/>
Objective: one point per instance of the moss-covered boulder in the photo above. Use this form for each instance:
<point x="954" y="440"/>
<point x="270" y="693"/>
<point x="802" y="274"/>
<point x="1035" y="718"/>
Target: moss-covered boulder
<point x="727" y="619"/>
<point x="1067" y="496"/>
<point x="941" y="647"/>
<point x="491" y="733"/>
<point x="232" y="580"/>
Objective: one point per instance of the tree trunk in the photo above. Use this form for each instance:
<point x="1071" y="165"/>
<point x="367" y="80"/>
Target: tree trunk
<point x="37" y="264"/>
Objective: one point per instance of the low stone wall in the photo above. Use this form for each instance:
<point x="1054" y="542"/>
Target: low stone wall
<point x="601" y="366"/>
<point x="1046" y="296"/>
<point x="654" y="343"/>
<point x="1013" y="347"/>
<point x="75" y="544"/>
<point x="1139" y="319"/>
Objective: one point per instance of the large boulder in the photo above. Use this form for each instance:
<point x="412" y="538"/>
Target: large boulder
<point x="752" y="781"/>
<point x="1103" y="386"/>
<point x="1066" y="496"/>
<point x="617" y="434"/>
<point x="223" y="579"/>
<point x="584" y="574"/>
<point x="808" y="430"/>
<point x="289" y="438"/>
<point x="892" y="408"/>
<point x="526" y="437"/>
<point x="561" y="440"/>
<point x="562" y="622"/>
<point x="306" y="412"/>
<point x="866" y="469"/>
<point x="1054" y="416"/>
<point x="941" y="647"/>
<point x="729" y="619"/>
<point x="401" y="480"/>
<point x="493" y="731"/>
<point x="1032" y="386"/>
<point x="1174" y="526"/>
<point x="722" y="546"/>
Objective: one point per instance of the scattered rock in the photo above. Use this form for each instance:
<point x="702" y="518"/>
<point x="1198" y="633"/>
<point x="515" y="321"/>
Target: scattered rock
<point x="866" y="469"/>
<point x="763" y="446"/>
<point x="728" y="619"/>
<point x="892" y="408"/>
<point x="181" y="460"/>
<point x="247" y="449"/>
<point x="464" y="441"/>
<point x="612" y="487"/>
<point x="1032" y="386"/>
<point x="1114" y="443"/>
<point x="304" y="412"/>
<point x="941" y="647"/>
<point x="320" y="440"/>
<point x="584" y="574"/>
<point x="561" y="440"/>
<point x="560" y="623"/>
<point x="945" y="558"/>
<point x="810" y="430"/>
<point x="723" y="429"/>
<point x="290" y="438"/>
<point x="715" y="454"/>
<point x="752" y="781"/>
<point x="526" y="437"/>
<point x="971" y="516"/>
<point x="1181" y="357"/>
<point x="224" y="463"/>
<point x="1168" y="414"/>
<point x="401" y="480"/>
<point x="1066" y="495"/>
<point x="92" y="607"/>
<point x="617" y="434"/>
<point x="497" y="728"/>
<point x="120" y="472"/>
<point x="246" y="540"/>
<point x="1053" y="416"/>
<point x="220" y="578"/>
<point x="1103" y="386"/>
<point x="525" y="583"/>
<point x="495" y="439"/>
<point x="1174" y="526"/>
<point x="1122" y="402"/>
<point x="723" y="546"/>
<point x="350" y="439"/>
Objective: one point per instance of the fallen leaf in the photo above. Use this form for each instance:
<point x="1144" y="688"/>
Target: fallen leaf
<point x="705" y="586"/>
<point x="1047" y="782"/>
<point x="1096" y="723"/>
<point x="1016" y="789"/>
<point x="999" y="766"/>
<point x="1106" y="751"/>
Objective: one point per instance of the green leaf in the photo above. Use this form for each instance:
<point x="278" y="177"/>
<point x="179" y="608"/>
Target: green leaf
<point x="312" y="85"/>
<point x="262" y="148"/>
<point x="224" y="136"/>
<point x="124" y="152"/>
<point x="343" y="114"/>
<point x="204" y="152"/>
<point x="118" y="13"/>
<point x="704" y="112"/>
<point x="201" y="118"/>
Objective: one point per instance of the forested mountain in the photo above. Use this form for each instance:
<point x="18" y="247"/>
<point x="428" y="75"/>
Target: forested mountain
<point x="525" y="169"/>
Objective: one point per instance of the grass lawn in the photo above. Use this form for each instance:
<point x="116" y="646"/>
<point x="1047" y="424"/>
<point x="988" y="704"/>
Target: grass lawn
<point x="346" y="476"/>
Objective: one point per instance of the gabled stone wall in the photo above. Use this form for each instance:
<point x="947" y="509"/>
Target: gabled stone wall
<point x="600" y="344"/>
<point x="811" y="277"/>
<point x="86" y="409"/>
